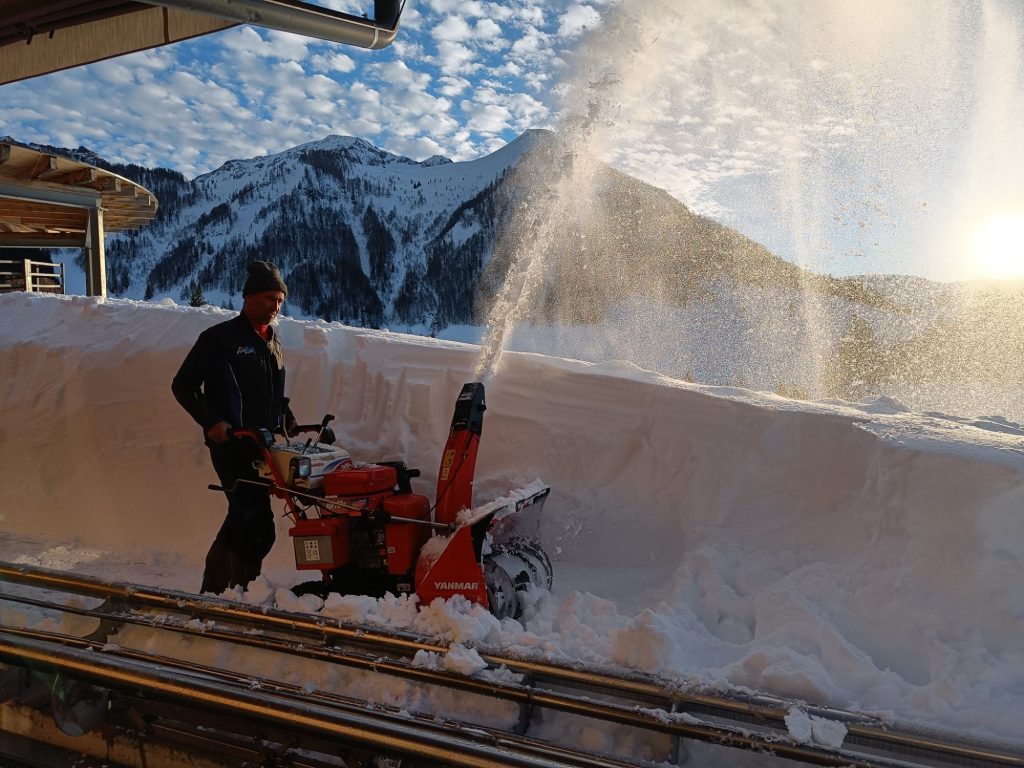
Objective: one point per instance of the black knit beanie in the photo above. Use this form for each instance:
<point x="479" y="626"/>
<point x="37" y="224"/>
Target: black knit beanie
<point x="263" y="276"/>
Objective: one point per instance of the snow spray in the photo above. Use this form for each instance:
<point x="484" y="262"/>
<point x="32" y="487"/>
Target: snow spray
<point x="827" y="126"/>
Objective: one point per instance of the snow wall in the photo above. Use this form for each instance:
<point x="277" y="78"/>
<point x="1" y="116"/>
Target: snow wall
<point x="861" y="559"/>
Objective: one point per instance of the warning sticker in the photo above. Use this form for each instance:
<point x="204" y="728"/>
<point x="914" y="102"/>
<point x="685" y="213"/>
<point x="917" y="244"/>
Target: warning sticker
<point x="312" y="550"/>
<point x="446" y="463"/>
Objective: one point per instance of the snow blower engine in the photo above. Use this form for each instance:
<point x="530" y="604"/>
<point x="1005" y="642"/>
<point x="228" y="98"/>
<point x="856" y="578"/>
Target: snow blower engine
<point x="367" y="532"/>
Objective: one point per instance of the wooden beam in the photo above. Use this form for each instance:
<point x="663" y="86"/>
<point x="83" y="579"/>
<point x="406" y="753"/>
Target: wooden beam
<point x="44" y="166"/>
<point x="51" y="172"/>
<point x="78" y="177"/>
<point x="40" y="240"/>
<point x="24" y="206"/>
<point x="95" y="256"/>
<point x="109" y="184"/>
<point x="42" y="191"/>
<point x="47" y="218"/>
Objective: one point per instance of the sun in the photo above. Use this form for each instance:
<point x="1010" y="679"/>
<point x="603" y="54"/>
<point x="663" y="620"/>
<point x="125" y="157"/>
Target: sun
<point x="998" y="248"/>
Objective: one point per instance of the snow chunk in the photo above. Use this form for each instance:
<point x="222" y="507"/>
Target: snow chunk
<point x="465" y="661"/>
<point x="645" y="644"/>
<point x="810" y="729"/>
<point x="287" y="600"/>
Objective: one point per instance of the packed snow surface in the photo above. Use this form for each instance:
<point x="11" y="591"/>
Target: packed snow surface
<point x="856" y="555"/>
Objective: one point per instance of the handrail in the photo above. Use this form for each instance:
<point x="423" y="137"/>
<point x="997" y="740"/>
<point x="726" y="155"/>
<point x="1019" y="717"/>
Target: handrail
<point x="26" y="277"/>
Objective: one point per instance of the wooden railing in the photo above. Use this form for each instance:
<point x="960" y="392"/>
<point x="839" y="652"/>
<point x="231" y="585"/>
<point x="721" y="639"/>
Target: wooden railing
<point x="34" y="276"/>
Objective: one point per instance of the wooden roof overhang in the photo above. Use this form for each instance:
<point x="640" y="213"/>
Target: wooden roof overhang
<point x="49" y="201"/>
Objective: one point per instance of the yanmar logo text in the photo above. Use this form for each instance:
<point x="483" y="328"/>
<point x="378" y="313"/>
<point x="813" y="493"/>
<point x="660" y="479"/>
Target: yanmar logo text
<point x="459" y="585"/>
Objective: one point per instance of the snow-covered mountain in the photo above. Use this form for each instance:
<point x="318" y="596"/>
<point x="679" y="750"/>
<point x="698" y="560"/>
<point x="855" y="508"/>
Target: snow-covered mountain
<point x="375" y="239"/>
<point x="602" y="266"/>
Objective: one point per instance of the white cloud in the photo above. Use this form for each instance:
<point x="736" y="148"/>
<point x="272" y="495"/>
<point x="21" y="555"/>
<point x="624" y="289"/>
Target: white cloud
<point x="577" y="20"/>
<point x="531" y="43"/>
<point x="487" y="118"/>
<point x="487" y="29"/>
<point x="529" y="15"/>
<point x="453" y="29"/>
<point x="336" y="62"/>
<point x="270" y="44"/>
<point x="457" y="59"/>
<point x="323" y="87"/>
<point x="418" y="147"/>
<point x="466" y="8"/>
<point x="452" y="86"/>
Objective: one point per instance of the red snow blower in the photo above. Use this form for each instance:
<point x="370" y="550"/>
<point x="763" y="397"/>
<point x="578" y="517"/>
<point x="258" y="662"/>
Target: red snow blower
<point x="367" y="532"/>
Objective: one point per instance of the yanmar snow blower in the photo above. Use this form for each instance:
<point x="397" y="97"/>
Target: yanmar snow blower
<point x="367" y="532"/>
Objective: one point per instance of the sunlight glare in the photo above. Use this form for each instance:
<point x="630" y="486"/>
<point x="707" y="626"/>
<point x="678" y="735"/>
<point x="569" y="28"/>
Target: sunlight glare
<point x="998" y="248"/>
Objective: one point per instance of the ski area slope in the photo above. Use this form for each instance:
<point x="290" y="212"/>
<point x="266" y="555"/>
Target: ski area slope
<point x="855" y="555"/>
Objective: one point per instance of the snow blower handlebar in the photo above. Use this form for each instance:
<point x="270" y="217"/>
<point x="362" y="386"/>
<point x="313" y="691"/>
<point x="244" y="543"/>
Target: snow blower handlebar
<point x="264" y="438"/>
<point x="285" y="492"/>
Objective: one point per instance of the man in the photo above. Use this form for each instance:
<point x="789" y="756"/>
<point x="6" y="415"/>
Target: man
<point x="234" y="377"/>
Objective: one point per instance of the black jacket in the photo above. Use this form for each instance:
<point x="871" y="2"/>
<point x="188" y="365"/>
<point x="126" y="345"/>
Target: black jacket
<point x="233" y="375"/>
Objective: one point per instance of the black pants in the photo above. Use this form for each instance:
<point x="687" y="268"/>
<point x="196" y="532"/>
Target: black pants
<point x="247" y="534"/>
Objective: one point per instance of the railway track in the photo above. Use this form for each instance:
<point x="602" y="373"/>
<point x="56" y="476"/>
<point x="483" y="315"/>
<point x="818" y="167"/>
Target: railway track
<point x="157" y="704"/>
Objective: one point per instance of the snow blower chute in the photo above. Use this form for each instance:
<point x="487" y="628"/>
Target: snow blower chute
<point x="367" y="532"/>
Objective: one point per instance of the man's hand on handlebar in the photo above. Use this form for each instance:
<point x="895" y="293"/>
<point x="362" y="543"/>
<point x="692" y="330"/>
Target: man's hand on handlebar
<point x="218" y="433"/>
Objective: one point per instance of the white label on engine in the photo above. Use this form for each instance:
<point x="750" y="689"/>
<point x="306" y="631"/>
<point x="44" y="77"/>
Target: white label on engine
<point x="312" y="547"/>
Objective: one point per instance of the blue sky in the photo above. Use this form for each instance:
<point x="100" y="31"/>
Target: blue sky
<point x="846" y="135"/>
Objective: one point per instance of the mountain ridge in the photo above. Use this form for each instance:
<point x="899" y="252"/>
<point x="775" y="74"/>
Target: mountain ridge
<point x="372" y="238"/>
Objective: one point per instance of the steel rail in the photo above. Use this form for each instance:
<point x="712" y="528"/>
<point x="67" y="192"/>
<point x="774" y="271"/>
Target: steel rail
<point x="387" y="732"/>
<point x="643" y="687"/>
<point x="656" y="721"/>
<point x="487" y="736"/>
<point x="760" y="709"/>
<point x="776" y="744"/>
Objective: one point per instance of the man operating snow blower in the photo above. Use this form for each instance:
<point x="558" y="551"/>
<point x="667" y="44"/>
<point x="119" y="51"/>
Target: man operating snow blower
<point x="233" y="378"/>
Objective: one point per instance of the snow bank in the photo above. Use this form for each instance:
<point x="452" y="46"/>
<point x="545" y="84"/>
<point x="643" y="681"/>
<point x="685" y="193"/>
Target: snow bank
<point x="858" y="556"/>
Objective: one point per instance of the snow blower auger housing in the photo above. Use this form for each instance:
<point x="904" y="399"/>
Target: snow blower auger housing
<point x="365" y="530"/>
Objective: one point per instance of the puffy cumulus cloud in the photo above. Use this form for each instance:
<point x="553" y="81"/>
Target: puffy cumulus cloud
<point x="466" y="8"/>
<point x="453" y="29"/>
<point x="408" y="49"/>
<point x="322" y="87"/>
<point x="249" y="91"/>
<point x="457" y="59"/>
<point x="114" y="72"/>
<point x="533" y="42"/>
<point x="334" y="62"/>
<point x="247" y="43"/>
<point x="486" y="118"/>
<point x="398" y="74"/>
<point x="452" y="86"/>
<point x="577" y="20"/>
<point x="284" y="45"/>
<point x="417" y="147"/>
<point x="489" y="31"/>
<point x="529" y="15"/>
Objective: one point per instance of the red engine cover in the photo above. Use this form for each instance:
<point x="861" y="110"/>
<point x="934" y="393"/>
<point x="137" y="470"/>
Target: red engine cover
<point x="360" y="481"/>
